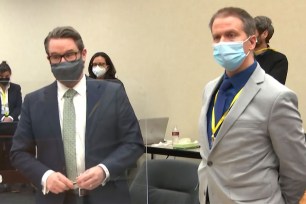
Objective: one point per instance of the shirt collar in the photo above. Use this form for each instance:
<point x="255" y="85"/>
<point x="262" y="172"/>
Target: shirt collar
<point x="80" y="87"/>
<point x="240" y="79"/>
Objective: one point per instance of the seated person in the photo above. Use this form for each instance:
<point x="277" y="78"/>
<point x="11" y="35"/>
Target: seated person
<point x="101" y="67"/>
<point x="10" y="93"/>
<point x="10" y="100"/>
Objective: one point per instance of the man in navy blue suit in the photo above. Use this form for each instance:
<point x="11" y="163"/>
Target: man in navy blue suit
<point x="107" y="134"/>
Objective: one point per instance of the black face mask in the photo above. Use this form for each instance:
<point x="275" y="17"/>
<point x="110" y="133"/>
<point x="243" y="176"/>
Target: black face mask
<point x="4" y="81"/>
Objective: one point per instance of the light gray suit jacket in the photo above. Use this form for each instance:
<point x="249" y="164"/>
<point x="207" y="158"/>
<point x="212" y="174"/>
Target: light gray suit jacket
<point x="259" y="155"/>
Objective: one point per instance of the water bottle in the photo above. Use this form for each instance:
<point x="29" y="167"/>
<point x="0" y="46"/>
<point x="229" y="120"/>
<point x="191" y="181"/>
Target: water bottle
<point x="175" y="135"/>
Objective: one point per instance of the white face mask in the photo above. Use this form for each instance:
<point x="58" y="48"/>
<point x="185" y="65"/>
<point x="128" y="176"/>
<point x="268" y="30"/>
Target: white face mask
<point x="99" y="71"/>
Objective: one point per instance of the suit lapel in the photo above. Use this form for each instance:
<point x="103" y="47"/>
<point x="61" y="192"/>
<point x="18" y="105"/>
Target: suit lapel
<point x="52" y="116"/>
<point x="51" y="103"/>
<point x="211" y="89"/>
<point x="249" y="91"/>
<point x="92" y="99"/>
<point x="11" y="94"/>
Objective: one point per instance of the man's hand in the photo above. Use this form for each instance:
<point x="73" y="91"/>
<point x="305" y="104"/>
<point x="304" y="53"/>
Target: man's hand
<point x="91" y="178"/>
<point x="7" y="119"/>
<point x="303" y="199"/>
<point x="58" y="183"/>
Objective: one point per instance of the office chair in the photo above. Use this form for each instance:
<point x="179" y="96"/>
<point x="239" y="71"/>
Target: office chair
<point x="165" y="182"/>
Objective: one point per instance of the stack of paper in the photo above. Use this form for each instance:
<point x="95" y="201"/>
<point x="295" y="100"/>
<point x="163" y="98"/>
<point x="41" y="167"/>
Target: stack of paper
<point x="186" y="144"/>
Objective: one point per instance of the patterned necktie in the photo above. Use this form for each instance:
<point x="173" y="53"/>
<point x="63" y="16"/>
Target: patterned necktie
<point x="69" y="134"/>
<point x="221" y="99"/>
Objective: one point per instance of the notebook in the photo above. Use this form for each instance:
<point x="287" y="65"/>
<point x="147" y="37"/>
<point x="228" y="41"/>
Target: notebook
<point x="8" y="128"/>
<point x="153" y="129"/>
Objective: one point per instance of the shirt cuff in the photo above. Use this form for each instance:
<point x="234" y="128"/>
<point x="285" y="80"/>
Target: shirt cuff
<point x="107" y="175"/>
<point x="44" y="181"/>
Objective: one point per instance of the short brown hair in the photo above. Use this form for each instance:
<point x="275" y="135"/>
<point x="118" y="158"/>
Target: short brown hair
<point x="264" y="23"/>
<point x="64" y="32"/>
<point x="247" y="20"/>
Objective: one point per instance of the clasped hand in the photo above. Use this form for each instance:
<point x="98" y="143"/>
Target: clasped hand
<point x="89" y="180"/>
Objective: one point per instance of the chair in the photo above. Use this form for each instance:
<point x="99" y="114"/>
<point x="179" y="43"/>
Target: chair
<point x="165" y="182"/>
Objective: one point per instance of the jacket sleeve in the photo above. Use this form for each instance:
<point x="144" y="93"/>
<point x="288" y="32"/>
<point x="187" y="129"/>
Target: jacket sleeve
<point x="288" y="140"/>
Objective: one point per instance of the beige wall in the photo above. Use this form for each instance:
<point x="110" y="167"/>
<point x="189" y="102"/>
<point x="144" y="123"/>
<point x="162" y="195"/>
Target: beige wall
<point x="161" y="48"/>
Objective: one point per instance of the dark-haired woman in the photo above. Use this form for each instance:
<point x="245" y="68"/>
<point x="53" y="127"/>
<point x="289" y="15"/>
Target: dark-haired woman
<point x="10" y="102"/>
<point x="10" y="99"/>
<point x="102" y="67"/>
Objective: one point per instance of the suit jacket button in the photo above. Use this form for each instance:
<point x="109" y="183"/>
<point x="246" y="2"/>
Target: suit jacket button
<point x="209" y="163"/>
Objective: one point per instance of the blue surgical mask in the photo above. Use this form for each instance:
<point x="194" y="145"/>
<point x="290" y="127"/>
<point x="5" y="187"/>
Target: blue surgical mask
<point x="230" y="55"/>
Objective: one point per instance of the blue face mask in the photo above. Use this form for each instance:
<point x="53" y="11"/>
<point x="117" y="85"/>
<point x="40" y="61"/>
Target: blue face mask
<point x="230" y="55"/>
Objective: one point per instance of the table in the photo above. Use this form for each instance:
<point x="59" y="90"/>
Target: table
<point x="5" y="146"/>
<point x="8" y="174"/>
<point x="169" y="151"/>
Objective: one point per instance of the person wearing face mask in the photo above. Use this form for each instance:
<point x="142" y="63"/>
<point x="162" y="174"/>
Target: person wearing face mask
<point x="10" y="101"/>
<point x="273" y="62"/>
<point x="101" y="67"/>
<point x="251" y="134"/>
<point x="10" y="93"/>
<point x="85" y="131"/>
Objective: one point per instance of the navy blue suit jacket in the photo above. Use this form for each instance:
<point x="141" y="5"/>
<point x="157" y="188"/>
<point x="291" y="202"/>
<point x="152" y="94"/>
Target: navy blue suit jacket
<point x="112" y="138"/>
<point x="14" y="100"/>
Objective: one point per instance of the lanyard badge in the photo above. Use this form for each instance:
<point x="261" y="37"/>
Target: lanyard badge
<point x="5" y="110"/>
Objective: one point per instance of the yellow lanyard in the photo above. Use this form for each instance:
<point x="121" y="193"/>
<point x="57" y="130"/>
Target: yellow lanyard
<point x="4" y="105"/>
<point x="214" y="127"/>
<point x="3" y="98"/>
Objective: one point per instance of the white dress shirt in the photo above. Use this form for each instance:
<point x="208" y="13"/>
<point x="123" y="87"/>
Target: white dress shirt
<point x="80" y="105"/>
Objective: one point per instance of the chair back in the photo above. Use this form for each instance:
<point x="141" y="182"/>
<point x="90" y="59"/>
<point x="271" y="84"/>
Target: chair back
<point x="165" y="181"/>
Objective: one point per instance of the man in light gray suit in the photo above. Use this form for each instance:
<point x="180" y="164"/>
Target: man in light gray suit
<point x="254" y="152"/>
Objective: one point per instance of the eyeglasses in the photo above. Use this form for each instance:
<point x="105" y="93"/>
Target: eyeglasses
<point x="99" y="64"/>
<point x="68" y="56"/>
